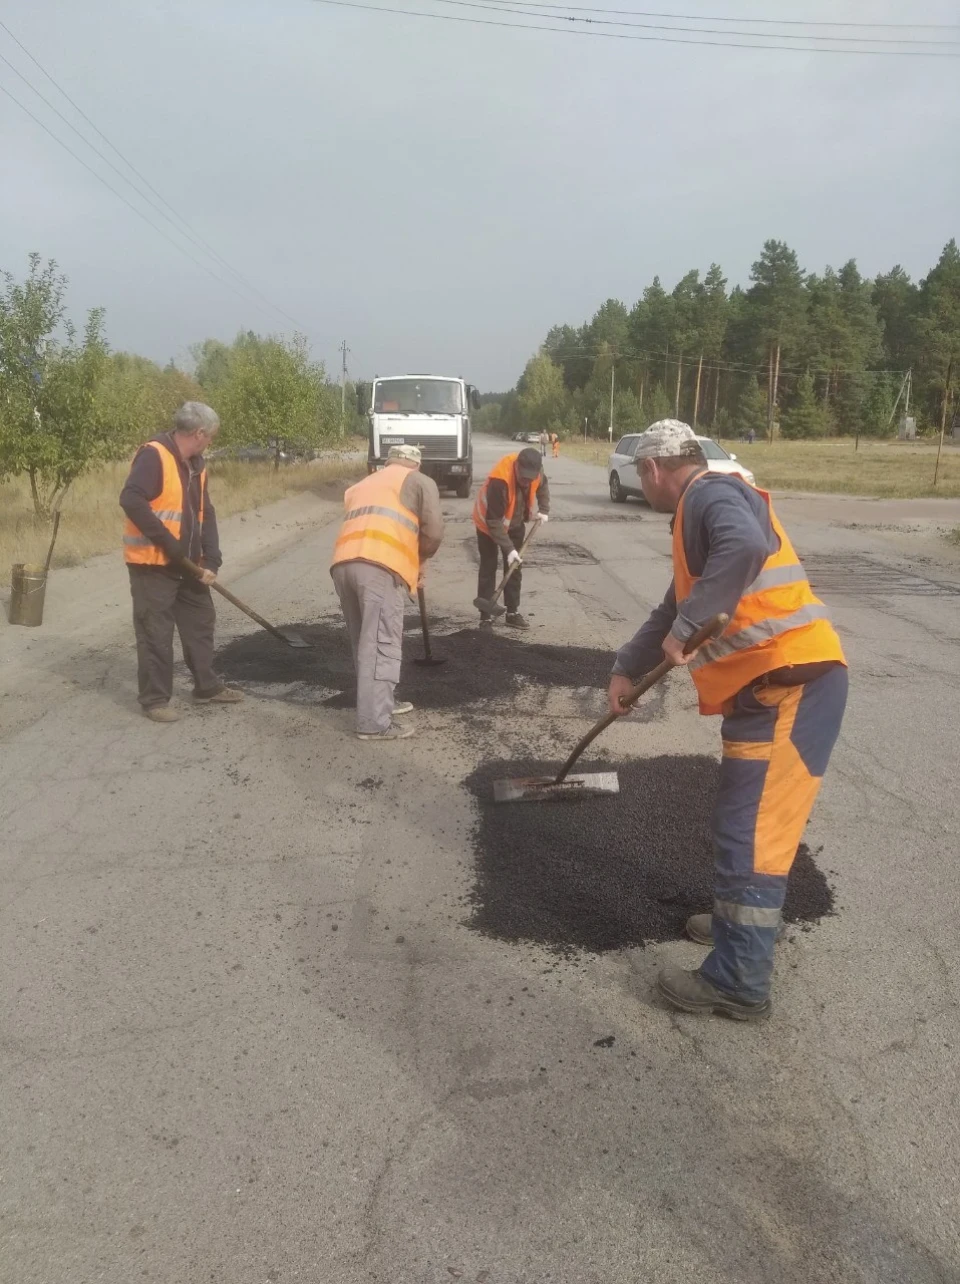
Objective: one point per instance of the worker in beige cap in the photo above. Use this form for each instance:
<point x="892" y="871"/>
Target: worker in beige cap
<point x="393" y="523"/>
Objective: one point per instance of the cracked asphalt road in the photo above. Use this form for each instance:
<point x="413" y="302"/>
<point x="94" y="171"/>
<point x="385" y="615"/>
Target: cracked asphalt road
<point x="246" y="1036"/>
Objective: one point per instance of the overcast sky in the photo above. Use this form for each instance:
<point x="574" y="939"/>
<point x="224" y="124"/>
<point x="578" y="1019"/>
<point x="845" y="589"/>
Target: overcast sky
<point x="440" y="194"/>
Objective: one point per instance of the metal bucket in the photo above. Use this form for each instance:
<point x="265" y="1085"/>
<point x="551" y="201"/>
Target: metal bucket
<point x="27" y="587"/>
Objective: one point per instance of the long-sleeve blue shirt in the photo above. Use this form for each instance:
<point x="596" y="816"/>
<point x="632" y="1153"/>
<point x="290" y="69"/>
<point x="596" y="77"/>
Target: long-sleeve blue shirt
<point x="727" y="537"/>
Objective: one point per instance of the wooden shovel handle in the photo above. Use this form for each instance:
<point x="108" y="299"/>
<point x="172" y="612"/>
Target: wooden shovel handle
<point x="217" y="587"/>
<point x="712" y="629"/>
<point x="513" y="567"/>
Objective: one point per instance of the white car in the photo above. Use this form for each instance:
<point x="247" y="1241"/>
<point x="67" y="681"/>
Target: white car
<point x="622" y="472"/>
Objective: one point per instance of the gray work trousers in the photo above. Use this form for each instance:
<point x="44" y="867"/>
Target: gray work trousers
<point x="162" y="600"/>
<point x="372" y="600"/>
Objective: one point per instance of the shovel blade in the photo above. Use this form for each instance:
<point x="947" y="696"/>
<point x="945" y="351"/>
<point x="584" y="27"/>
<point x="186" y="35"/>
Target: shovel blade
<point x="292" y="639"/>
<point x="430" y="661"/>
<point x="489" y="608"/>
<point x="545" y="789"/>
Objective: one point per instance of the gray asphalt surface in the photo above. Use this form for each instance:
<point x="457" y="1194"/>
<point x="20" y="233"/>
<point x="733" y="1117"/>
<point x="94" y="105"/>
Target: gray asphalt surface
<point x="245" y="1035"/>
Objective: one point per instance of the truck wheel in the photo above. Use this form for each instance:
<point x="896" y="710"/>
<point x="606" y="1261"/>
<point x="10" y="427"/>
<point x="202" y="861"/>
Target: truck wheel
<point x="463" y="488"/>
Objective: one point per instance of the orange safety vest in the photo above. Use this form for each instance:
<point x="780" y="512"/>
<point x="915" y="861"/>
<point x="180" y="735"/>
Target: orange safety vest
<point x="778" y="621"/>
<point x="505" y="472"/>
<point x="378" y="528"/>
<point x="138" y="549"/>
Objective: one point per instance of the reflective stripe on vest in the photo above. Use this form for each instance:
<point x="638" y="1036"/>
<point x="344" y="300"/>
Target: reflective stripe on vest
<point x="138" y="548"/>
<point x="378" y="528"/>
<point x="777" y="622"/>
<point x="505" y="471"/>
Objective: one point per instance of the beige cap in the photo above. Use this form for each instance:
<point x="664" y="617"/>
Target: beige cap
<point x="668" y="439"/>
<point x="411" y="454"/>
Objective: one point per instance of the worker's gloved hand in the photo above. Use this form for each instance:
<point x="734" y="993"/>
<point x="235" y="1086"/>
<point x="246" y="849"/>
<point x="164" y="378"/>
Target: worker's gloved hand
<point x="542" y="517"/>
<point x="207" y="576"/>
<point x="514" y="558"/>
<point x="620" y="685"/>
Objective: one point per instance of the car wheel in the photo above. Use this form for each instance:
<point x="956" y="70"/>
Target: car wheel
<point x="617" y="493"/>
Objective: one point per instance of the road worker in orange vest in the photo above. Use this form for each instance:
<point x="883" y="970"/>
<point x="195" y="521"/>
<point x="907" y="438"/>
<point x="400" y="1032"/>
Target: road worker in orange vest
<point x="515" y="492"/>
<point x="169" y="515"/>
<point x="393" y="524"/>
<point x="777" y="676"/>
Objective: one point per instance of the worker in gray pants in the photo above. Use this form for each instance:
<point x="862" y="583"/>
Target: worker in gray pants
<point x="392" y="524"/>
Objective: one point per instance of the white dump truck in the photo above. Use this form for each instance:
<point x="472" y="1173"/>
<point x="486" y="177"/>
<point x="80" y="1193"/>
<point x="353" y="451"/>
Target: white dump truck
<point x="428" y="411"/>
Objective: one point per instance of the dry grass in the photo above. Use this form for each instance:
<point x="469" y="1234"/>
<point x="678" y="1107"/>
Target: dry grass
<point x="92" y="520"/>
<point x="885" y="469"/>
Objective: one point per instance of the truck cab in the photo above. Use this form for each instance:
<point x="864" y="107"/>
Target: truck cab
<point x="431" y="412"/>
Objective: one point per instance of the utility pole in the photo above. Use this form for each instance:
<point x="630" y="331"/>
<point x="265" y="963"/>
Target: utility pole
<point x="343" y="384"/>
<point x="943" y="416"/>
<point x="613" y="367"/>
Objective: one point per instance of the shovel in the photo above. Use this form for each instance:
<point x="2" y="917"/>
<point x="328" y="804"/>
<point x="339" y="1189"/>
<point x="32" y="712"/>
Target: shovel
<point x="543" y="788"/>
<point x="490" y="605"/>
<point x="291" y="639"/>
<point x="428" y="657"/>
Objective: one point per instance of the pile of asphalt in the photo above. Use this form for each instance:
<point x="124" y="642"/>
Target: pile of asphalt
<point x="608" y="872"/>
<point x="481" y="665"/>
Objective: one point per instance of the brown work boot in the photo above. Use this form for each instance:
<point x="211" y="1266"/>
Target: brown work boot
<point x="161" y="713"/>
<point x="690" y="992"/>
<point x="699" y="928"/>
<point x="225" y="695"/>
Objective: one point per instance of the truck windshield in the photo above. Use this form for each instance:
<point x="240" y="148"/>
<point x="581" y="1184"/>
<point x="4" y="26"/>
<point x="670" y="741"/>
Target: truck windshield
<point x="417" y="397"/>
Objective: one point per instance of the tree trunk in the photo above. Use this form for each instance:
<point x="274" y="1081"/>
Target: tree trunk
<point x="640" y="392"/>
<point x="39" y="503"/>
<point x="770" y="393"/>
<point x="696" y="394"/>
<point x="276" y="456"/>
<point x="676" y="400"/>
<point x="943" y="418"/>
<point x="716" y="395"/>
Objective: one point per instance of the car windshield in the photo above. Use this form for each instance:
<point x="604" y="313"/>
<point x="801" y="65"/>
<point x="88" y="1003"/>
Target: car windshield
<point x="417" y="397"/>
<point x="711" y="450"/>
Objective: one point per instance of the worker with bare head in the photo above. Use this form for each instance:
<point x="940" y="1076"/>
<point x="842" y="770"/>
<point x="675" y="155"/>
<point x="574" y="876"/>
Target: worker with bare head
<point x="778" y="677"/>
<point x="393" y="524"/>
<point x="515" y="493"/>
<point x="169" y="517"/>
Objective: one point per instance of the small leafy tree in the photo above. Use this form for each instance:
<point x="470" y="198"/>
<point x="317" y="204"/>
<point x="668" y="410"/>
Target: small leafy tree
<point x="51" y="423"/>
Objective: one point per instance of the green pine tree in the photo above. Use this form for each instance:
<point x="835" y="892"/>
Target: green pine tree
<point x="804" y="417"/>
<point x="751" y="411"/>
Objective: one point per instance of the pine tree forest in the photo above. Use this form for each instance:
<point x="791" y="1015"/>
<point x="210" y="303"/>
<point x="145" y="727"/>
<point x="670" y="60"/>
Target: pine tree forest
<point x="794" y="354"/>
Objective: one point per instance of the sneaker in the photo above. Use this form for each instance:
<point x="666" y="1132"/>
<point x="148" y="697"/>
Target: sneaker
<point x="226" y="695"/>
<point x="161" y="713"/>
<point x="516" y="620"/>
<point x="691" y="992"/>
<point x="402" y="707"/>
<point x="393" y="732"/>
<point x="700" y="929"/>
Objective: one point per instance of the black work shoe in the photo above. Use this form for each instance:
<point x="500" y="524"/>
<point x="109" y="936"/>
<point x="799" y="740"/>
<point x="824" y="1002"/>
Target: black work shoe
<point x="699" y="928"/>
<point x="690" y="992"/>
<point x="516" y="620"/>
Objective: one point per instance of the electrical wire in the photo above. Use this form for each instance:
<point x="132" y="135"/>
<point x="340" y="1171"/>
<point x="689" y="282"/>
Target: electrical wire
<point x="520" y="6"/>
<point x="186" y="230"/>
<point x="751" y="22"/>
<point x="616" y="35"/>
<point x="120" y="196"/>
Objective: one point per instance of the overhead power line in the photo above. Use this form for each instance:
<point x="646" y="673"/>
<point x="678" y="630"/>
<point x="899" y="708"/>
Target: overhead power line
<point x="176" y="220"/>
<point x="520" y="7"/>
<point x="753" y="22"/>
<point x="619" y="35"/>
<point x="120" y="196"/>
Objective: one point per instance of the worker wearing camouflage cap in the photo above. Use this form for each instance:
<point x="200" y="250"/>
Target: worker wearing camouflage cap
<point x="393" y="523"/>
<point x="776" y="675"/>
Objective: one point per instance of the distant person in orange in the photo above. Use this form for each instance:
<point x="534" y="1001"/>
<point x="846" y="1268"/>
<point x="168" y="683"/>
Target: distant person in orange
<point x="555" y="441"/>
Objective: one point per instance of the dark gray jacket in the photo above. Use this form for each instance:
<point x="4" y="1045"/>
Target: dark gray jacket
<point x="727" y="537"/>
<point x="144" y="484"/>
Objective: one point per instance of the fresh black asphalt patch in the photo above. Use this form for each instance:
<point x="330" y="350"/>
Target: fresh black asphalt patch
<point x="607" y="873"/>
<point x="481" y="665"/>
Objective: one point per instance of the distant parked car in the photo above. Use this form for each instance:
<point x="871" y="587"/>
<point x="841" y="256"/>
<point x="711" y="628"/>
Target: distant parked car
<point x="528" y="438"/>
<point x="622" y="472"/>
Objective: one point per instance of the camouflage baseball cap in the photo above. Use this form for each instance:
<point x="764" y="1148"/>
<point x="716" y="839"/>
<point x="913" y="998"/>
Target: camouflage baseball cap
<point x="411" y="454"/>
<point x="668" y="439"/>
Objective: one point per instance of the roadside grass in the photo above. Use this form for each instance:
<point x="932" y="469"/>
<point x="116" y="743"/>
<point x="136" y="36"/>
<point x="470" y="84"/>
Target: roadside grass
<point x="92" y="521"/>
<point x="883" y="469"/>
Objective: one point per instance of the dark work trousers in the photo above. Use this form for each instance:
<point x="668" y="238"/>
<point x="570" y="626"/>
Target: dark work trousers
<point x="487" y="578"/>
<point x="162" y="599"/>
